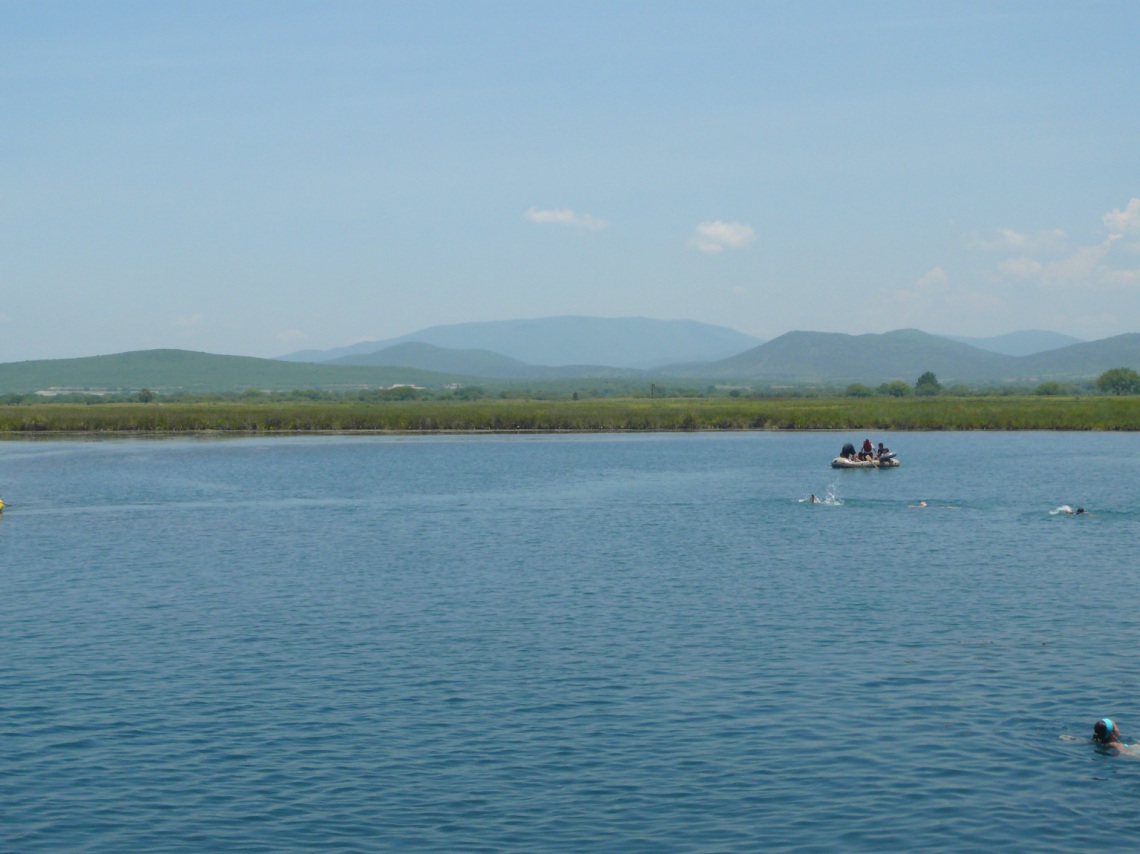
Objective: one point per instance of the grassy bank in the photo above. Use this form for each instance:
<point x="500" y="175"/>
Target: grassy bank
<point x="934" y="413"/>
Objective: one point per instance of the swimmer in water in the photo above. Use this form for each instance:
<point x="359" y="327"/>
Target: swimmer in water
<point x="919" y="504"/>
<point x="813" y="499"/>
<point x="1107" y="734"/>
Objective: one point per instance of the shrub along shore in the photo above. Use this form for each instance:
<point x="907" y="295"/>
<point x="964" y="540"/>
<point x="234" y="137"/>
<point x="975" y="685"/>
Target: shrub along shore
<point x="593" y="415"/>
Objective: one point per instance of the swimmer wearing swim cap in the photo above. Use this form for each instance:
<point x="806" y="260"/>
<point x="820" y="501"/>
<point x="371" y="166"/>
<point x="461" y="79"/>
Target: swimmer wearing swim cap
<point x="1107" y="734"/>
<point x="1105" y="731"/>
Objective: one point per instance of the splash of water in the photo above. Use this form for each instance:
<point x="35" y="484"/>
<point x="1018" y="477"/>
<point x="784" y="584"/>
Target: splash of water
<point x="829" y="498"/>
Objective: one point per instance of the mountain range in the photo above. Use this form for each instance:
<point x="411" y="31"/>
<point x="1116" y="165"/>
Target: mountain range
<point x="838" y="359"/>
<point x="807" y="358"/>
<point x="184" y="370"/>
<point x="818" y="358"/>
<point x="621" y="342"/>
<point x="1024" y="343"/>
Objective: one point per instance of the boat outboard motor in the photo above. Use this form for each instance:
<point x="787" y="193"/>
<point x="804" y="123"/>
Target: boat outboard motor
<point x="848" y="451"/>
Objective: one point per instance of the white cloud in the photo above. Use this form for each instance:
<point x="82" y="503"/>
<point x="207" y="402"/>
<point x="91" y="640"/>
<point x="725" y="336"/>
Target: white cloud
<point x="1079" y="268"/>
<point x="716" y="236"/>
<point x="1008" y="240"/>
<point x="189" y="322"/>
<point x="1020" y="268"/>
<point x="1125" y="221"/>
<point x="934" y="295"/>
<point x="1123" y="278"/>
<point x="1048" y="260"/>
<point x="1012" y="238"/>
<point x="566" y="217"/>
<point x="933" y="284"/>
<point x="935" y="277"/>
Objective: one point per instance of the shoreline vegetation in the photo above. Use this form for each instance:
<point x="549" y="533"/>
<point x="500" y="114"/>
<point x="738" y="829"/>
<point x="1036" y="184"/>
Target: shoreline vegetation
<point x="1021" y="412"/>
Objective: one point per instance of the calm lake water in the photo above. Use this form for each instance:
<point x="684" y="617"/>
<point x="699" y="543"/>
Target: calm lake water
<point x="569" y="643"/>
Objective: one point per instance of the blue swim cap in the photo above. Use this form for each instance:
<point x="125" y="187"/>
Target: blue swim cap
<point x="1103" y="730"/>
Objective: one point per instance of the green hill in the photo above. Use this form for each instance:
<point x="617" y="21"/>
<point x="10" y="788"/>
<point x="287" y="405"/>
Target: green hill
<point x="1083" y="361"/>
<point x="183" y="370"/>
<point x="414" y="354"/>
<point x="637" y="343"/>
<point x="816" y="358"/>
<point x="481" y="363"/>
<point x="1027" y="342"/>
<point x="837" y="359"/>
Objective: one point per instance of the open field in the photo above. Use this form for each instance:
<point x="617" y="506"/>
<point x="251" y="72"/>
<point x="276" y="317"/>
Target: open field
<point x="598" y="415"/>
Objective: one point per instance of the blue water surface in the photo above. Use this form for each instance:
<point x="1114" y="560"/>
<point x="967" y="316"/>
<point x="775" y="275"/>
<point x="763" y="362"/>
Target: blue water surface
<point x="567" y="643"/>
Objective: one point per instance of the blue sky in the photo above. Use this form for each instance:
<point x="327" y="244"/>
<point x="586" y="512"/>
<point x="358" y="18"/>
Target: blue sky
<point x="258" y="178"/>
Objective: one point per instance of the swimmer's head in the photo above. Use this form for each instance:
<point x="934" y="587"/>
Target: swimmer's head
<point x="1105" y="731"/>
<point x="1080" y="509"/>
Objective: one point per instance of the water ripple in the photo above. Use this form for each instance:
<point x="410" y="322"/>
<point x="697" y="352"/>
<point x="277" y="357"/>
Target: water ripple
<point x="564" y="644"/>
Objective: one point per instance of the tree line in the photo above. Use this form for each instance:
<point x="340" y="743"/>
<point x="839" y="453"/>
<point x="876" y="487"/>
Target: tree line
<point x="1117" y="381"/>
<point x="1113" y="381"/>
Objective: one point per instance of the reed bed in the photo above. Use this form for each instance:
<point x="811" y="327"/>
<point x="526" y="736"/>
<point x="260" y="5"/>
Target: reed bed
<point x="594" y="415"/>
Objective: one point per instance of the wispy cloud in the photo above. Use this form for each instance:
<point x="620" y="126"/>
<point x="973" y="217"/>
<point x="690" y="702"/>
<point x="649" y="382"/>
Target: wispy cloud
<point x="933" y="278"/>
<point x="1020" y="268"/>
<point x="1049" y="260"/>
<point x="935" y="294"/>
<point x="566" y="217"/>
<point x="717" y="235"/>
<point x="1009" y="240"/>
<point x="1125" y="222"/>
<point x="1122" y="278"/>
<point x="189" y="322"/>
<point x="933" y="283"/>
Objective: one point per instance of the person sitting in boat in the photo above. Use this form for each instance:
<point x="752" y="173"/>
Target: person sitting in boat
<point x="881" y="451"/>
<point x="848" y="452"/>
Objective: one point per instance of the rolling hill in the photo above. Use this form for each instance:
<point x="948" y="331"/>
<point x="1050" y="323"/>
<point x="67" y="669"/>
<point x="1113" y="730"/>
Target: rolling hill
<point x="1084" y="360"/>
<point x="482" y="363"/>
<point x="169" y="370"/>
<point x="837" y="359"/>
<point x="1024" y="343"/>
<point x="815" y="358"/>
<point x="620" y="342"/>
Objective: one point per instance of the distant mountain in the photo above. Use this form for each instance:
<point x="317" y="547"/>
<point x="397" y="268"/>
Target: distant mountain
<point x="482" y="363"/>
<point x="1024" y="343"/>
<point x="620" y="342"/>
<point x="169" y="370"/>
<point x="818" y="358"/>
<point x="839" y="359"/>
<point x="1084" y="360"/>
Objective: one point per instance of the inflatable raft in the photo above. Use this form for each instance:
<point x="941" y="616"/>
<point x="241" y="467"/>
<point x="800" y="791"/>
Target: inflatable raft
<point x="887" y="461"/>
